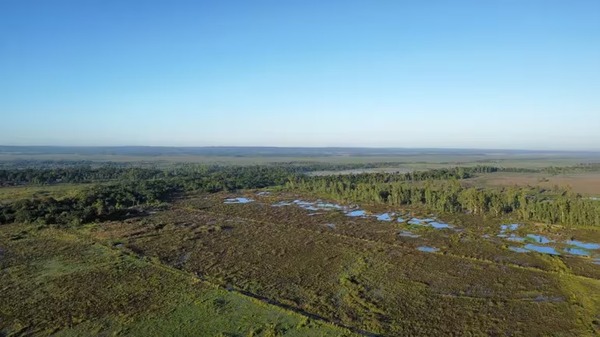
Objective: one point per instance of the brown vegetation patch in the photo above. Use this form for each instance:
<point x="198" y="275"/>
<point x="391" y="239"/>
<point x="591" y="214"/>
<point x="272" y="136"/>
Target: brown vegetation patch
<point x="584" y="183"/>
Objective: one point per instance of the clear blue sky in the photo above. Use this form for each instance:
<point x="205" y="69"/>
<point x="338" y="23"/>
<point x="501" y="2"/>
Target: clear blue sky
<point x="422" y="73"/>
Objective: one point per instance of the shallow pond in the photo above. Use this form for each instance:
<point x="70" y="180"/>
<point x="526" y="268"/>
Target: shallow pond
<point x="415" y="221"/>
<point x="577" y="251"/>
<point x="238" y="200"/>
<point x="584" y="245"/>
<point x="357" y="213"/>
<point x="539" y="238"/>
<point x="535" y="242"/>
<point x="306" y="205"/>
<point x="429" y="222"/>
<point x="428" y="249"/>
<point x="509" y="228"/>
<point x="309" y="205"/>
<point x="541" y="249"/>
<point x="325" y="205"/>
<point x="514" y="238"/>
<point x="518" y="249"/>
<point x="439" y="225"/>
<point x="385" y="217"/>
<point x="408" y="234"/>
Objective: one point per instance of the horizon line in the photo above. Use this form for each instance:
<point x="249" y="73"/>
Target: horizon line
<point x="297" y="147"/>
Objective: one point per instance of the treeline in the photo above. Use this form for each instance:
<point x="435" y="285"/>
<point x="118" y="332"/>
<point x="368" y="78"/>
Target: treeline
<point x="232" y="177"/>
<point x="84" y="172"/>
<point x="137" y="188"/>
<point x="90" y="174"/>
<point x="125" y="187"/>
<point x="581" y="168"/>
<point x="97" y="203"/>
<point x="433" y="174"/>
<point x="81" y="174"/>
<point x="450" y="196"/>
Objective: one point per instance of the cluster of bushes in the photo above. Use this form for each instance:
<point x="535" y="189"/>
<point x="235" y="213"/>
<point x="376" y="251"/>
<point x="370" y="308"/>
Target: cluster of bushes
<point x="83" y="174"/>
<point x="97" y="203"/>
<point x="131" y="187"/>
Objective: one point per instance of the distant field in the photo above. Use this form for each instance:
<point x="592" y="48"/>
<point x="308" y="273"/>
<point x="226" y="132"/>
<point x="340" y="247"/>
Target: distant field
<point x="406" y="162"/>
<point x="584" y="183"/>
<point x="56" y="191"/>
<point x="408" y="159"/>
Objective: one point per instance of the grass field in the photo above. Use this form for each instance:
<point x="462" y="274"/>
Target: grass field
<point x="203" y="267"/>
<point x="62" y="283"/>
<point x="584" y="183"/>
<point x="206" y="268"/>
<point x="407" y="161"/>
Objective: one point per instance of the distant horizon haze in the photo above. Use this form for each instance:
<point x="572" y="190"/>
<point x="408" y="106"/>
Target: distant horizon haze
<point x="4" y="147"/>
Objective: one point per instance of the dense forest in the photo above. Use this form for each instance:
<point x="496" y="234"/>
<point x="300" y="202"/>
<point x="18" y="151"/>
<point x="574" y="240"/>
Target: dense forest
<point x="53" y="172"/>
<point x="126" y="188"/>
<point x="448" y="195"/>
<point x="119" y="188"/>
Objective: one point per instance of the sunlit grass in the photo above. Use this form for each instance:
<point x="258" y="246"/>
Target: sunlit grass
<point x="55" y="282"/>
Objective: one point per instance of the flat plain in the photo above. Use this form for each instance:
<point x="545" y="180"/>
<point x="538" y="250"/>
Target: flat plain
<point x="280" y="262"/>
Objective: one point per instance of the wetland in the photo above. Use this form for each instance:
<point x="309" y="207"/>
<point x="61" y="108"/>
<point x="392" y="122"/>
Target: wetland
<point x="270" y="251"/>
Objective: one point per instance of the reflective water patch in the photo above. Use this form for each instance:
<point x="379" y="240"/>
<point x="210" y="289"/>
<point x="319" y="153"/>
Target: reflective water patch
<point x="357" y="213"/>
<point x="539" y="238"/>
<point x="409" y="234"/>
<point x="515" y="238"/>
<point x="238" y="200"/>
<point x="428" y="249"/>
<point x="384" y="217"/>
<point x="518" y="249"/>
<point x="429" y="222"/>
<point x="328" y="205"/>
<point x="577" y="251"/>
<point x="584" y="245"/>
<point x="309" y="205"/>
<point x="439" y="225"/>
<point x="509" y="228"/>
<point x="415" y="221"/>
<point x="541" y="249"/>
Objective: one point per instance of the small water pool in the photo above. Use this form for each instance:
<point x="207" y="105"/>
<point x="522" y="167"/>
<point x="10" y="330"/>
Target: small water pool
<point x="584" y="245"/>
<point x="518" y="249"/>
<point x="408" y="234"/>
<point x="577" y="251"/>
<point x="539" y="238"/>
<point x="541" y="249"/>
<point x="357" y="213"/>
<point x="384" y="217"/>
<point x="239" y="200"/>
<point x="428" y="249"/>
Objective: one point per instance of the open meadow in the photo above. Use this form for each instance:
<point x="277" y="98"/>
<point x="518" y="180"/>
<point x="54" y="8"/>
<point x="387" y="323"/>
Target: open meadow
<point x="584" y="183"/>
<point x="200" y="250"/>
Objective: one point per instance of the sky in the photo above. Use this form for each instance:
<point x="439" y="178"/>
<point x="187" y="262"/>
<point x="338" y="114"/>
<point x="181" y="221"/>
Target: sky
<point x="510" y="74"/>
